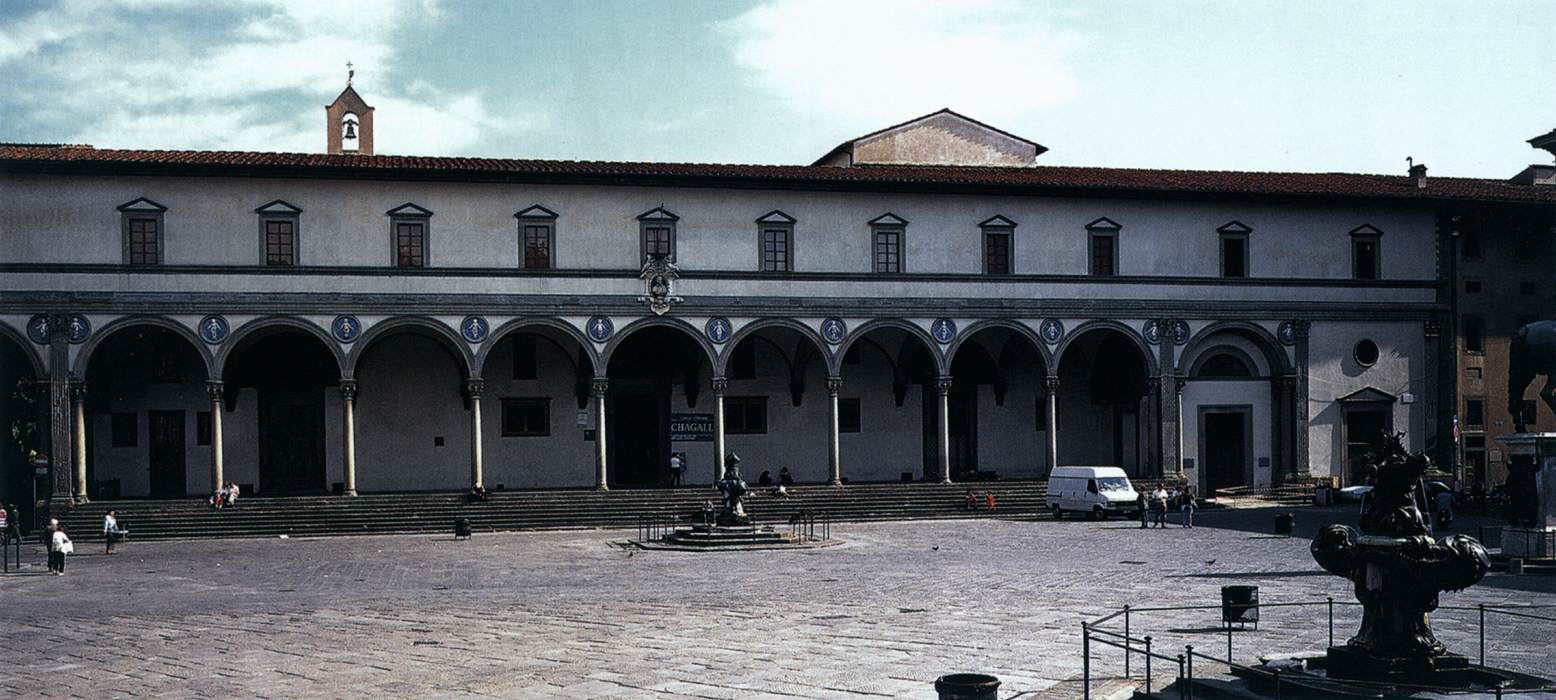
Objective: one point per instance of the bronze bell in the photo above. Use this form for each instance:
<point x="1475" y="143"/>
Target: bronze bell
<point x="351" y="130"/>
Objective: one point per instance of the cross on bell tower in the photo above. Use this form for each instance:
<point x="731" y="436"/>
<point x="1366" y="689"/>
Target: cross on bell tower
<point x="348" y="121"/>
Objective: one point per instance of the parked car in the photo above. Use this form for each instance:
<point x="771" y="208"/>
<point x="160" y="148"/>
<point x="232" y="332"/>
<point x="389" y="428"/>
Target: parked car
<point x="1351" y="494"/>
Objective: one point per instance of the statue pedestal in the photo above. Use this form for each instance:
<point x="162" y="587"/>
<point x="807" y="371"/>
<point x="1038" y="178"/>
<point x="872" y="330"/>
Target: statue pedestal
<point x="1358" y="664"/>
<point x="1531" y="454"/>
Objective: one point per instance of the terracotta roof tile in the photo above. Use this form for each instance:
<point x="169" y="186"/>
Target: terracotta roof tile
<point x="67" y="158"/>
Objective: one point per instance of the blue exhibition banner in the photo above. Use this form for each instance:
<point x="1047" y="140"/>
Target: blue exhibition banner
<point x="691" y="427"/>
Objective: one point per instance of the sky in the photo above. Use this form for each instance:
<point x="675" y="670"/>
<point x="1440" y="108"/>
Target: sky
<point x="1307" y="86"/>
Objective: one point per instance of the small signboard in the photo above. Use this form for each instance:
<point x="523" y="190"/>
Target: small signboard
<point x="691" y="427"/>
<point x="40" y="464"/>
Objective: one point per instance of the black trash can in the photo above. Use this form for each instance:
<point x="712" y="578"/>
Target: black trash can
<point x="1284" y="523"/>
<point x="967" y="686"/>
<point x="1240" y="604"/>
<point x="461" y="528"/>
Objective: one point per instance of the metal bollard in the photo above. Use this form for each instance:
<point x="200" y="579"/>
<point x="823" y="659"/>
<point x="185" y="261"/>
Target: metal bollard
<point x="967" y="686"/>
<point x="1148" y="664"/>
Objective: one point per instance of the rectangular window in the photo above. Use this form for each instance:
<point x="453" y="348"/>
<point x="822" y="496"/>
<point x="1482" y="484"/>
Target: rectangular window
<point x="745" y="415"/>
<point x="280" y="242"/>
<point x="525" y="360"/>
<point x="125" y="429"/>
<point x="1234" y="255"/>
<point x="1474" y="413"/>
<point x="145" y="241"/>
<point x="410" y="243"/>
<point x="848" y="420"/>
<point x="996" y="251"/>
<point x="203" y="428"/>
<point x="742" y="365"/>
<point x="1474" y="334"/>
<point x="1469" y="243"/>
<point x="538" y="237"/>
<point x="888" y="250"/>
<point x="1364" y="257"/>
<point x="658" y="241"/>
<point x="526" y="417"/>
<point x="1104" y="254"/>
<point x="1473" y="373"/>
<point x="775" y="248"/>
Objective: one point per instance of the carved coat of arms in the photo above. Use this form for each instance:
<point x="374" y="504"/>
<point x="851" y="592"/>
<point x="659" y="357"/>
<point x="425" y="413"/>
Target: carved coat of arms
<point x="659" y="276"/>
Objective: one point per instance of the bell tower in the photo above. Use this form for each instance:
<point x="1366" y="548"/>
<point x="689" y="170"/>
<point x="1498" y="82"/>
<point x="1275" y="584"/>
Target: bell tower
<point x="348" y="122"/>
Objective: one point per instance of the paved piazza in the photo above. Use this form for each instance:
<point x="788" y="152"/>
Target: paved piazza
<point x="569" y="614"/>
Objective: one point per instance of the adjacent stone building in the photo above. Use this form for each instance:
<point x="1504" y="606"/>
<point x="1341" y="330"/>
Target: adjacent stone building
<point x="925" y="302"/>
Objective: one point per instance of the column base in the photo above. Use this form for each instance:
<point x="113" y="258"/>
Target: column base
<point x="836" y="483"/>
<point x="601" y="487"/>
<point x="82" y="500"/>
<point x="945" y="480"/>
<point x="349" y="492"/>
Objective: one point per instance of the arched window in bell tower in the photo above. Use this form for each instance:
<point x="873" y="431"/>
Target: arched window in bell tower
<point x="349" y="140"/>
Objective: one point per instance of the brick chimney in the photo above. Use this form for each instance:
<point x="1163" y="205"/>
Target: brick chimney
<point x="1417" y="175"/>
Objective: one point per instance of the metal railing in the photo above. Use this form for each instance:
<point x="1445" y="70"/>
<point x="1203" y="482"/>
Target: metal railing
<point x="1540" y="542"/>
<point x="1094" y="632"/>
<point x="804" y="524"/>
<point x="655" y="526"/>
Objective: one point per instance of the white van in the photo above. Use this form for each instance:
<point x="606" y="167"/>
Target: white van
<point x="1098" y="491"/>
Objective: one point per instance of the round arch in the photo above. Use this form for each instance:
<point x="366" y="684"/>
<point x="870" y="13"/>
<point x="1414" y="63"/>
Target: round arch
<point x="1017" y="328"/>
<point x="84" y="358"/>
<point x="941" y="365"/>
<point x="1196" y="367"/>
<point x="1265" y="341"/>
<point x="720" y="366"/>
<point x="26" y="347"/>
<point x="402" y="324"/>
<point x="268" y="325"/>
<point x="1106" y="324"/>
<point x="621" y="336"/>
<point x="519" y="324"/>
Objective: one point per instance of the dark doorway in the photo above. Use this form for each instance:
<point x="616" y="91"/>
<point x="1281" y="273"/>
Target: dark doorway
<point x="638" y="437"/>
<point x="291" y="440"/>
<point x="166" y="431"/>
<point x="1224" y="448"/>
<point x="963" y="427"/>
<point x="1364" y="432"/>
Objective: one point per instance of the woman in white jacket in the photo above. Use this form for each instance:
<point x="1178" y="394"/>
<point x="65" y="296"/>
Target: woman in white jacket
<point x="59" y="546"/>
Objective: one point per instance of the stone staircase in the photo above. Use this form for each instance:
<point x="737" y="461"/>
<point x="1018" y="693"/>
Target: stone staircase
<point x="399" y="513"/>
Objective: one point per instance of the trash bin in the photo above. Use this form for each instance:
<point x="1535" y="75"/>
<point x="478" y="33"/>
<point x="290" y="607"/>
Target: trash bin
<point x="1284" y="523"/>
<point x="461" y="528"/>
<point x="1240" y="604"/>
<point x="1322" y="495"/>
<point x="967" y="686"/>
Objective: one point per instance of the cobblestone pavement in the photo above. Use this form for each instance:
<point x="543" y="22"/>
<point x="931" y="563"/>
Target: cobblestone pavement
<point x="569" y="614"/>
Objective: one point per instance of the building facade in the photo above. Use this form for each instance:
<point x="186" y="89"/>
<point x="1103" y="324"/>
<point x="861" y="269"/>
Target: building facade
<point x="301" y="323"/>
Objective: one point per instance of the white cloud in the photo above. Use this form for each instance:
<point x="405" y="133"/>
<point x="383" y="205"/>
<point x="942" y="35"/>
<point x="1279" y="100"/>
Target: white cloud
<point x="873" y="62"/>
<point x="245" y="74"/>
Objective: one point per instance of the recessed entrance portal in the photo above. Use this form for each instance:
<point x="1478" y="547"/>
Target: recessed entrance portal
<point x="639" y="430"/>
<point x="290" y="371"/>
<point x="646" y="372"/>
<point x="1365" y="430"/>
<point x="166" y="432"/>
<point x="1225" y="442"/>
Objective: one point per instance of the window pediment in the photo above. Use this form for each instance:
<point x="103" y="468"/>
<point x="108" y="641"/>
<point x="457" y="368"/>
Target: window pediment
<point x="278" y="207"/>
<point x="141" y="205"/>
<point x="997" y="221"/>
<point x="1370" y="394"/>
<point x="658" y="214"/>
<point x="1103" y="224"/>
<point x="775" y="217"/>
<point x="409" y="209"/>
<point x="535" y="212"/>
<point x="1234" y="226"/>
<point x="888" y="219"/>
<point x="1366" y="230"/>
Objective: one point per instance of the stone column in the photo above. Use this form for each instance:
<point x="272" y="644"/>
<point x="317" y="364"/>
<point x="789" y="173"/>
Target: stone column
<point x="834" y="440"/>
<point x="60" y="456"/>
<point x="78" y="435"/>
<point x="1149" y="421"/>
<point x="1170" y="418"/>
<point x="720" y="385"/>
<point x="943" y="391"/>
<point x="215" y="389"/>
<point x="1052" y="384"/>
<point x="597" y="390"/>
<point x="1299" y="401"/>
<point x="473" y="389"/>
<point x="1279" y="465"/>
<point x="348" y="412"/>
<point x="1177" y="440"/>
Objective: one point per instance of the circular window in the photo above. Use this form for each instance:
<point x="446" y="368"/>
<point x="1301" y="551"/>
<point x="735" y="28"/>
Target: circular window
<point x="1366" y="353"/>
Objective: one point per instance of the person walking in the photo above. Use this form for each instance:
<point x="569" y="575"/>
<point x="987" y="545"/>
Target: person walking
<point x="1159" y="508"/>
<point x="59" y="546"/>
<point x="1142" y="507"/>
<point x="677" y="466"/>
<point x="1187" y="505"/>
<point x="111" y="531"/>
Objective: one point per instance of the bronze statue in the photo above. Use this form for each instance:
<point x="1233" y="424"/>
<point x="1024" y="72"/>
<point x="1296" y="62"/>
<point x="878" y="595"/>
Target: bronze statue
<point x="1398" y="571"/>
<point x="734" y="490"/>
<point x="1533" y="352"/>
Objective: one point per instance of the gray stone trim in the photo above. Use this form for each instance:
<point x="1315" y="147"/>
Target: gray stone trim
<point x="84" y="356"/>
<point x="864" y="329"/>
<point x="720" y="367"/>
<point x="628" y="329"/>
<point x="266" y="325"/>
<point x="429" y="327"/>
<point x="1152" y="365"/>
<point x="1020" y="329"/>
<point x="1274" y="352"/>
<point x="519" y="324"/>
